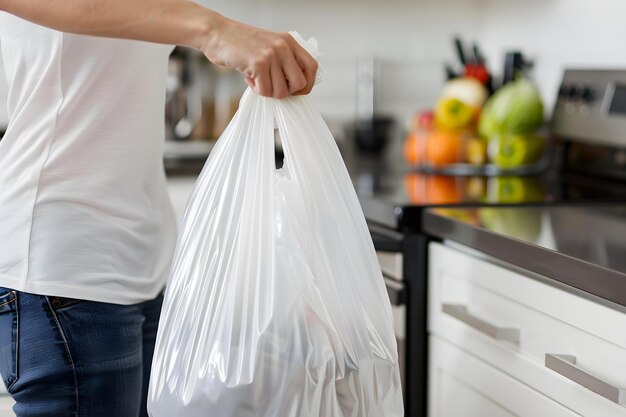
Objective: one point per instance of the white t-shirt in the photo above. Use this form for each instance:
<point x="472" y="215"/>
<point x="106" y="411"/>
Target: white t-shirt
<point x="84" y="209"/>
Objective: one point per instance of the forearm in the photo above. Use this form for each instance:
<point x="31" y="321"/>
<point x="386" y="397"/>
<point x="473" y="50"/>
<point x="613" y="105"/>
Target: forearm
<point x="273" y="63"/>
<point x="176" y="22"/>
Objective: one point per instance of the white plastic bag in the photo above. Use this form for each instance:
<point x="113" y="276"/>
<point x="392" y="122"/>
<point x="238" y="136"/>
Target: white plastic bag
<point x="276" y="305"/>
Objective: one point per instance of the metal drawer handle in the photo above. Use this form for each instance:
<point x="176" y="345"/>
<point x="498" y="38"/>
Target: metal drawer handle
<point x="459" y="312"/>
<point x="565" y="365"/>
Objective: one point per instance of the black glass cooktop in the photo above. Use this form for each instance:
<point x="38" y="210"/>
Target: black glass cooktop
<point x="580" y="245"/>
<point x="394" y="195"/>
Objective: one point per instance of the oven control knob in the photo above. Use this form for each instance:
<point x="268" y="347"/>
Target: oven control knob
<point x="569" y="91"/>
<point x="587" y="94"/>
<point x="575" y="93"/>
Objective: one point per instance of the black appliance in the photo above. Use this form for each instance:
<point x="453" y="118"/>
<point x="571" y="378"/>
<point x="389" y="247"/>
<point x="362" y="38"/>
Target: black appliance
<point x="589" y="132"/>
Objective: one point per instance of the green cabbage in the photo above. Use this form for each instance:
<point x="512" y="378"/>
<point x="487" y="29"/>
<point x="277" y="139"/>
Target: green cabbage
<point x="515" y="108"/>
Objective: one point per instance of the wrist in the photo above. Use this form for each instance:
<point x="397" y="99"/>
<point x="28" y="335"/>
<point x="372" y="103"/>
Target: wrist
<point x="210" y="25"/>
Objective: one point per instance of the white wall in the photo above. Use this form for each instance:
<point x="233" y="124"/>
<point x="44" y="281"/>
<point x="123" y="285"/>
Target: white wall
<point x="557" y="34"/>
<point x="412" y="39"/>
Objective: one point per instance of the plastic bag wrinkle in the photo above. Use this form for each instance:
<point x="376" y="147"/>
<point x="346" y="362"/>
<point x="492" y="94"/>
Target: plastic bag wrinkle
<point x="276" y="306"/>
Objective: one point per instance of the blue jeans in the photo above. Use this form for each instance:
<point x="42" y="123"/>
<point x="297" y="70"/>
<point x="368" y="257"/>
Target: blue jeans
<point x="61" y="357"/>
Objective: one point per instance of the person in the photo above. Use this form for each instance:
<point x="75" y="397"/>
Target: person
<point x="86" y="227"/>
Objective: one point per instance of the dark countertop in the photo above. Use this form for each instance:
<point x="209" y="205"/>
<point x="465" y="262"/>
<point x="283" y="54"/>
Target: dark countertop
<point x="569" y="228"/>
<point x="583" y="246"/>
<point x="394" y="194"/>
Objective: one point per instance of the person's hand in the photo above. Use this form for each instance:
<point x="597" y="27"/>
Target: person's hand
<point x="274" y="64"/>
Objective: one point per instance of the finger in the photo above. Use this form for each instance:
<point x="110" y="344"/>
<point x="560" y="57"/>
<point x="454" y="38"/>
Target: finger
<point x="263" y="83"/>
<point x="295" y="77"/>
<point x="250" y="82"/>
<point x="309" y="66"/>
<point x="279" y="82"/>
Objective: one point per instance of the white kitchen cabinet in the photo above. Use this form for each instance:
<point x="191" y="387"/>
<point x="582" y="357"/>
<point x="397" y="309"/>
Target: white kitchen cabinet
<point x="180" y="188"/>
<point x="463" y="386"/>
<point x="512" y="320"/>
<point x="6" y="406"/>
<point x="391" y="264"/>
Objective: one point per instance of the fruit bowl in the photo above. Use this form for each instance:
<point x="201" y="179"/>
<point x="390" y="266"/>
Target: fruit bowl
<point x="462" y="152"/>
<point x="469" y="132"/>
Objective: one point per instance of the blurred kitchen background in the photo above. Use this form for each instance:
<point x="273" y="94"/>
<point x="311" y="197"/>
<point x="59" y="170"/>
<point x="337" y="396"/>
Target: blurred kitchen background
<point x="412" y="41"/>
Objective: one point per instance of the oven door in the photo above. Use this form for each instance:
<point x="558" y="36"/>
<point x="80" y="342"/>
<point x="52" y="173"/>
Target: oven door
<point x="388" y="244"/>
<point x="397" y="297"/>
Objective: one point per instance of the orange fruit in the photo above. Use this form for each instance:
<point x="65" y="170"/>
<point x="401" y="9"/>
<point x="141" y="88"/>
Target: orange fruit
<point x="415" y="187"/>
<point x="441" y="189"/>
<point x="413" y="149"/>
<point x="432" y="189"/>
<point x="444" y="147"/>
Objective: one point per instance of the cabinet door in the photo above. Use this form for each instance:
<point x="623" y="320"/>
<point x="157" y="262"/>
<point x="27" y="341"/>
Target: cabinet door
<point x="467" y="402"/>
<point x="6" y="406"/>
<point x="462" y="385"/>
<point x="511" y="321"/>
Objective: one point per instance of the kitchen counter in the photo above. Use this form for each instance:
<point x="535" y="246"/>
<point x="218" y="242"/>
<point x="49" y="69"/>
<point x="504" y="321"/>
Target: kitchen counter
<point x="394" y="195"/>
<point x="582" y="246"/>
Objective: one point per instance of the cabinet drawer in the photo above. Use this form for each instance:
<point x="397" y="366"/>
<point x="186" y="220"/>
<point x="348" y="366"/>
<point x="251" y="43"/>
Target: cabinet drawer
<point x="478" y="304"/>
<point x="391" y="264"/>
<point x="463" y="386"/>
